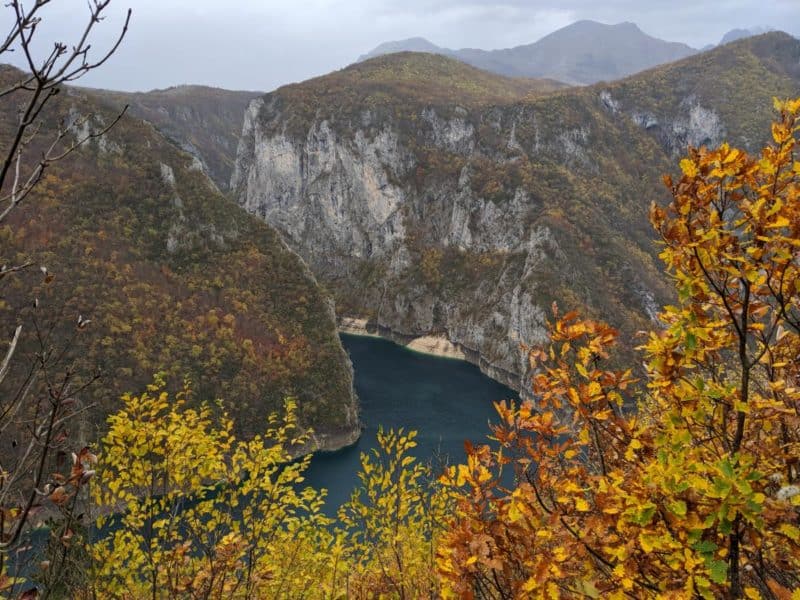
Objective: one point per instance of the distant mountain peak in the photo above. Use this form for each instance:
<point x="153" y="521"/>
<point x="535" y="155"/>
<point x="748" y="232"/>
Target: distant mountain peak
<point x="413" y="44"/>
<point x="589" y="23"/>
<point x="583" y="52"/>
<point x="739" y="33"/>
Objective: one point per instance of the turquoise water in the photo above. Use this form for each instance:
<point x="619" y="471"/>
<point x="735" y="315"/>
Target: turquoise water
<point x="446" y="401"/>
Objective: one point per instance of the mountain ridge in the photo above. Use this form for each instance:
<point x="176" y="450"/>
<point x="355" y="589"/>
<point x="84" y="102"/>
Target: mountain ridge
<point x="204" y="121"/>
<point x="583" y="52"/>
<point x="467" y="219"/>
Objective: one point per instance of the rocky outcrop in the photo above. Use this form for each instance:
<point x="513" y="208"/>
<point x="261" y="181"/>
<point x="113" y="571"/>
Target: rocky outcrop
<point x="464" y="221"/>
<point x="466" y="252"/>
<point x="691" y="124"/>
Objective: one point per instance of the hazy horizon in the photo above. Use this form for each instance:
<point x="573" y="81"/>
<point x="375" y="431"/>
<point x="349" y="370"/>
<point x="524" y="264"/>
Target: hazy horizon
<point x="251" y="45"/>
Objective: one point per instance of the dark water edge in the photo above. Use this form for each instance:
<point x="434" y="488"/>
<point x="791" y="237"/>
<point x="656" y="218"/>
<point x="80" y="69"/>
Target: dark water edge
<point x="446" y="401"/>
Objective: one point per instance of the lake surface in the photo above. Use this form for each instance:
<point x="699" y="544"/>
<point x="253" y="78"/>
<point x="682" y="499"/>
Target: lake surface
<point x="446" y="401"/>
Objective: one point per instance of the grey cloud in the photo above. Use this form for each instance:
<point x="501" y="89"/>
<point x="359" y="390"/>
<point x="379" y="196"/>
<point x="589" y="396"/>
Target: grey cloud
<point x="252" y="44"/>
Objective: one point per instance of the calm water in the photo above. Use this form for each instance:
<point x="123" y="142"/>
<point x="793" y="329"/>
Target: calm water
<point x="446" y="401"/>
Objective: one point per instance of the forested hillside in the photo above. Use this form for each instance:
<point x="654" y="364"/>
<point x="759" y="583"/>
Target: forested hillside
<point x="171" y="277"/>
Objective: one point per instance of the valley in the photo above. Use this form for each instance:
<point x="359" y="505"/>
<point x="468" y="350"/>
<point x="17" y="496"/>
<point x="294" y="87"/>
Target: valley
<point x="441" y="323"/>
<point x="465" y="215"/>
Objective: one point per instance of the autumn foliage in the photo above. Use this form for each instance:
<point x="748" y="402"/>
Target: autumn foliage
<point x="676" y="480"/>
<point x="683" y="484"/>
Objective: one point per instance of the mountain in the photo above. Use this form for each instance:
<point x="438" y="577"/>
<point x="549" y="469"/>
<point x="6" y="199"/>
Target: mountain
<point x="174" y="278"/>
<point x="416" y="44"/>
<point x="205" y="122"/>
<point x="738" y="34"/>
<point x="584" y="52"/>
<point x="433" y="204"/>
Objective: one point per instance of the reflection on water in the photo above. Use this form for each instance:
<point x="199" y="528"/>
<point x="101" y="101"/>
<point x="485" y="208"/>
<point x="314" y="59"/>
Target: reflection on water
<point x="447" y="401"/>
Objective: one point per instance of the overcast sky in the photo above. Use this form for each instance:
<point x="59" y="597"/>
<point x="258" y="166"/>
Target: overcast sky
<point x="262" y="44"/>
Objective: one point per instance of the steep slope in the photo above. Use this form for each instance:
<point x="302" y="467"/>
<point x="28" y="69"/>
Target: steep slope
<point x="724" y="94"/>
<point x="204" y="121"/>
<point x="465" y="216"/>
<point x="581" y="53"/>
<point x="174" y="278"/>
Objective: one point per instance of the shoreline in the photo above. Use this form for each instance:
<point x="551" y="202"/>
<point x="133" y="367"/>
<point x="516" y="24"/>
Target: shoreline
<point x="432" y="345"/>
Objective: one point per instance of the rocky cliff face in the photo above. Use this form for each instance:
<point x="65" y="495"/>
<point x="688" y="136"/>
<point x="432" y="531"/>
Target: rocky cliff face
<point x="467" y="219"/>
<point x="203" y="121"/>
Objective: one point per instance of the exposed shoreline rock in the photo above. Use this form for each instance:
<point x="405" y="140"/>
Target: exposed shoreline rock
<point x="432" y="345"/>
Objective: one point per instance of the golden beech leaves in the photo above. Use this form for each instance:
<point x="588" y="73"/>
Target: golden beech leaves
<point x="684" y="484"/>
<point x="203" y="515"/>
<point x="393" y="523"/>
<point x="191" y="512"/>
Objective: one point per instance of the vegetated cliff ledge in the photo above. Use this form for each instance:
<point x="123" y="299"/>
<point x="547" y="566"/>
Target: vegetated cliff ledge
<point x="203" y="121"/>
<point x="174" y="278"/>
<point x="435" y="199"/>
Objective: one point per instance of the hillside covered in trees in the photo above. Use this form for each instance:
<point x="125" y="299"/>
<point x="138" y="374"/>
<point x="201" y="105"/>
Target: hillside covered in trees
<point x="173" y="277"/>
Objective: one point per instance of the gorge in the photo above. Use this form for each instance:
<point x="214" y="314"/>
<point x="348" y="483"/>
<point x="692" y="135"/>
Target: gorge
<point x="434" y="199"/>
<point x="409" y="329"/>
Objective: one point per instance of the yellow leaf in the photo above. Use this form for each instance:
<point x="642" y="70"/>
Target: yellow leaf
<point x="790" y="531"/>
<point x="689" y="168"/>
<point x="627" y="583"/>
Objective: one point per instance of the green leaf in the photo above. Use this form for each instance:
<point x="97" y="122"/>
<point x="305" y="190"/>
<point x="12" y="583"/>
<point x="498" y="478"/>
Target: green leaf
<point x="726" y="468"/>
<point x="691" y="341"/>
<point x="718" y="570"/>
<point x="705" y="547"/>
<point x="645" y="514"/>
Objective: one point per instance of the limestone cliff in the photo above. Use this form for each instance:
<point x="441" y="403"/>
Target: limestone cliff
<point x="432" y="206"/>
